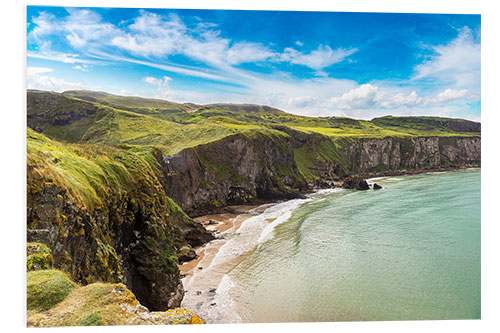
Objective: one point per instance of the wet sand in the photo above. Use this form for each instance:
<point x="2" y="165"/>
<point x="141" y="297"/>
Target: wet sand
<point x="222" y="225"/>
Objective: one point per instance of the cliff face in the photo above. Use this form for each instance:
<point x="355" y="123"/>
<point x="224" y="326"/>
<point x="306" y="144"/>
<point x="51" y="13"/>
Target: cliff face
<point x="239" y="168"/>
<point x="234" y="170"/>
<point x="390" y="154"/>
<point x="125" y="240"/>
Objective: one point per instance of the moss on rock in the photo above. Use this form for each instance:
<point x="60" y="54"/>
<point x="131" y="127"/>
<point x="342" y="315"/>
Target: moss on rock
<point x="38" y="257"/>
<point x="105" y="304"/>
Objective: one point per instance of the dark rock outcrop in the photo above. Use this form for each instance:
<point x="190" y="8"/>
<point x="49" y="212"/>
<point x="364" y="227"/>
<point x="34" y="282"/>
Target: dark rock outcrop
<point x="133" y="237"/>
<point x="376" y="186"/>
<point x="234" y="170"/>
<point x="356" y="184"/>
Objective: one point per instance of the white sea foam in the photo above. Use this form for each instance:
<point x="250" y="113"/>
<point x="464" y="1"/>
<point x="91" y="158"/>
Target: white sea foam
<point x="325" y="191"/>
<point x="225" y="285"/>
<point x="224" y="303"/>
<point x="255" y="230"/>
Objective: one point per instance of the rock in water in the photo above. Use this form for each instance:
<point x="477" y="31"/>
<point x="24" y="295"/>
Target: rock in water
<point x="376" y="186"/>
<point x="356" y="184"/>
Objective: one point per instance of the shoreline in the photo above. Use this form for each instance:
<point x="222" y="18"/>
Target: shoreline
<point x="202" y="280"/>
<point x="231" y="209"/>
<point x="206" y="283"/>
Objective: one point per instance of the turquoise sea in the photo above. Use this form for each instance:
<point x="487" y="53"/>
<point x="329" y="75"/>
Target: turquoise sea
<point x="410" y="251"/>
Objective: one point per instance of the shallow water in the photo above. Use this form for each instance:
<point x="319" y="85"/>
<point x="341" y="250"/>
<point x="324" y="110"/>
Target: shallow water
<point x="410" y="251"/>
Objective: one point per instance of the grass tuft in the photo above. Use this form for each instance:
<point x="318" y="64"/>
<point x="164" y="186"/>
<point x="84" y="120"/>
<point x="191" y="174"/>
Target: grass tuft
<point x="47" y="288"/>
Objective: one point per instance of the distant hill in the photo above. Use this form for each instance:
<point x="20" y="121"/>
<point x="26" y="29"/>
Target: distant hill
<point x="130" y="103"/>
<point x="429" y="123"/>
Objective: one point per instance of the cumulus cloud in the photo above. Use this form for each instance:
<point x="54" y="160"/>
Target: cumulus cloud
<point x="362" y="97"/>
<point x="83" y="68"/>
<point x="50" y="83"/>
<point x="160" y="83"/>
<point x="37" y="80"/>
<point x="400" y="100"/>
<point x="37" y="70"/>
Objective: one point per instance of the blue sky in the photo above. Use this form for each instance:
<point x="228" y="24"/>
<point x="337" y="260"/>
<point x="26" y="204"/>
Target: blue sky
<point x="360" y="65"/>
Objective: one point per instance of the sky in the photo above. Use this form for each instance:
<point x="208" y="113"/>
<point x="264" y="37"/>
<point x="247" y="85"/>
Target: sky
<point x="360" y="65"/>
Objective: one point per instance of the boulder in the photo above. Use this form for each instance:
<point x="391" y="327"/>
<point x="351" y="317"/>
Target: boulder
<point x="376" y="186"/>
<point x="356" y="184"/>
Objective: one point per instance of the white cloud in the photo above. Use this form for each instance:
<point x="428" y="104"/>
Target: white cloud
<point x="301" y="101"/>
<point x="400" y="100"/>
<point x="50" y="83"/>
<point x="243" y="52"/>
<point x="160" y="83"/>
<point x="458" y="62"/>
<point x="449" y="95"/>
<point x="317" y="59"/>
<point x="83" y="68"/>
<point x="153" y="35"/>
<point x="362" y="97"/>
<point x="81" y="28"/>
<point x="67" y="58"/>
<point x="159" y="36"/>
<point x="37" y="70"/>
<point x="36" y="80"/>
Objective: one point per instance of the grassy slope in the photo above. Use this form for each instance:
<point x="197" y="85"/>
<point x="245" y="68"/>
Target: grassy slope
<point x="89" y="172"/>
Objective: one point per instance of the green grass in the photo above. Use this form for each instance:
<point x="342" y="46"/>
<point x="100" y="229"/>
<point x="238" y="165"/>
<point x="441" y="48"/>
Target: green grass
<point x="46" y="288"/>
<point x="130" y="103"/>
<point x="92" y="318"/>
<point x="87" y="172"/>
<point x="102" y="304"/>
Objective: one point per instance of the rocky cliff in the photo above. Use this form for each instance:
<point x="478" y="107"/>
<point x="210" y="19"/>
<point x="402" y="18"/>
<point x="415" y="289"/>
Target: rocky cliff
<point x="284" y="164"/>
<point x="235" y="170"/>
<point x="421" y="153"/>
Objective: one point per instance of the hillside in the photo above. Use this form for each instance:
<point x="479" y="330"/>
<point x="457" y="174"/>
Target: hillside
<point x="96" y="117"/>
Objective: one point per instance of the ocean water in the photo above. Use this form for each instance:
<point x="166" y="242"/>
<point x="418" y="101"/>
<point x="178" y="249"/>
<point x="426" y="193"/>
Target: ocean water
<point x="410" y="251"/>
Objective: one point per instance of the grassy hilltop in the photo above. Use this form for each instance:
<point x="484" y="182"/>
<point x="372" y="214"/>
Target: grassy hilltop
<point x="102" y="118"/>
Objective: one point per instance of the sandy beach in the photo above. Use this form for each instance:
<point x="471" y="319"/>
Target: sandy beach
<point x="204" y="282"/>
<point x="222" y="225"/>
<point x="239" y="231"/>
